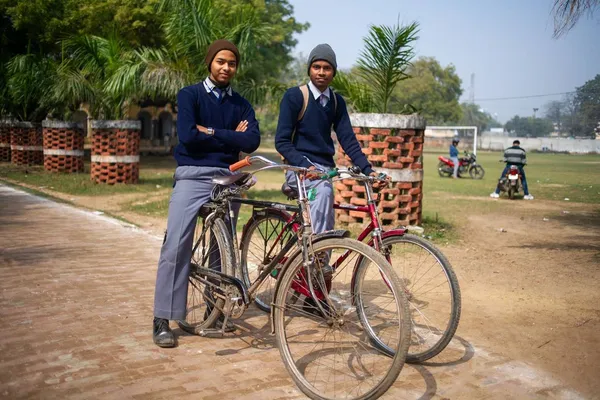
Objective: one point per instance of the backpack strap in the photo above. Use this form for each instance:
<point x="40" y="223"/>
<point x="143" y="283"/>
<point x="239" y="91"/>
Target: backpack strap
<point x="304" y="90"/>
<point x="334" y="101"/>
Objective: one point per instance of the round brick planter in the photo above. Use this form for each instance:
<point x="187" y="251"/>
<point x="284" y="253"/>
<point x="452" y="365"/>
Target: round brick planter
<point x="115" y="151"/>
<point x="63" y="146"/>
<point x="393" y="144"/>
<point x="26" y="143"/>
<point x="5" y="140"/>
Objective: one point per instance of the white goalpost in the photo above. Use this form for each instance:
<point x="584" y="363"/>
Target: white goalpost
<point x="452" y="131"/>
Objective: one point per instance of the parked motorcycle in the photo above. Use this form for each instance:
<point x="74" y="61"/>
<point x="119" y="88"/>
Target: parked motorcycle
<point x="468" y="163"/>
<point x="511" y="182"/>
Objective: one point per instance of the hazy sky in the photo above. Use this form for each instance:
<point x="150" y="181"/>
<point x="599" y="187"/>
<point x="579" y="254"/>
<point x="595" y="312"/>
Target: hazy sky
<point x="507" y="44"/>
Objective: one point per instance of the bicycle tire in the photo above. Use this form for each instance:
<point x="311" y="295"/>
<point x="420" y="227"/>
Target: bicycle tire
<point x="194" y="323"/>
<point x="391" y="366"/>
<point x="439" y="336"/>
<point x="253" y="258"/>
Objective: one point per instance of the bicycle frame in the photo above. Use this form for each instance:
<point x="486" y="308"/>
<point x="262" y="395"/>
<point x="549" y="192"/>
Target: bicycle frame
<point x="373" y="229"/>
<point x="303" y="230"/>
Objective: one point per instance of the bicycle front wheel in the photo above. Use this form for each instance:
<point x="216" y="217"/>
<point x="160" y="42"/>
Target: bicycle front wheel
<point x="323" y="341"/>
<point x="432" y="291"/>
<point x="213" y="250"/>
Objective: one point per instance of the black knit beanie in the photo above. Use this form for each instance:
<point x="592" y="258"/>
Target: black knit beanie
<point x="216" y="47"/>
<point x="322" y="52"/>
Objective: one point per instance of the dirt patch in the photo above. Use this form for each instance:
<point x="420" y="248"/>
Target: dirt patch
<point x="530" y="290"/>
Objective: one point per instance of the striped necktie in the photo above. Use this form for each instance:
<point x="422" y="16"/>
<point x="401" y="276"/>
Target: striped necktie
<point x="219" y="93"/>
<point x="323" y="99"/>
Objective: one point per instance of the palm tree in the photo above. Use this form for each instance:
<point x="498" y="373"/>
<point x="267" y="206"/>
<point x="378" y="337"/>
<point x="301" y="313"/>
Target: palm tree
<point x="28" y="78"/>
<point x="381" y="65"/>
<point x="89" y="62"/>
<point x="567" y="13"/>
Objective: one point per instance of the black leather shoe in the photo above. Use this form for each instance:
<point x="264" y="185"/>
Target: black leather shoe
<point x="162" y="333"/>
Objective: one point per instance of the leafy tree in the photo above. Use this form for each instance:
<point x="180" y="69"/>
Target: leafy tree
<point x="587" y="104"/>
<point x="45" y="23"/>
<point x="263" y="32"/>
<point x="136" y="22"/>
<point x="473" y="115"/>
<point x="571" y="120"/>
<point x="529" y="127"/>
<point x="555" y="112"/>
<point x="432" y="89"/>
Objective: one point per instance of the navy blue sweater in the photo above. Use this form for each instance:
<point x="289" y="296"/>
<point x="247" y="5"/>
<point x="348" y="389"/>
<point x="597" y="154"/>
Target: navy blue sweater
<point x="197" y="107"/>
<point x="312" y="138"/>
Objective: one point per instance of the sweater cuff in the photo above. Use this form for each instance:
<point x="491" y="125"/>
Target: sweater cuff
<point x="367" y="170"/>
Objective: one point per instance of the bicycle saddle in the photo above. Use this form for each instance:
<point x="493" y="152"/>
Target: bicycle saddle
<point x="231" y="179"/>
<point x="289" y="191"/>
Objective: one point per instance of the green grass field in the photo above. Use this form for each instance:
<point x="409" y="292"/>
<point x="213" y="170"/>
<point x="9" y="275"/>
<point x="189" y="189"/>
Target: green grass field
<point x="550" y="176"/>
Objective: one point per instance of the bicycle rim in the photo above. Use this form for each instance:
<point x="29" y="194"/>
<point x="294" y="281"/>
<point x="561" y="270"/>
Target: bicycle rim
<point x="432" y="291"/>
<point x="330" y="356"/>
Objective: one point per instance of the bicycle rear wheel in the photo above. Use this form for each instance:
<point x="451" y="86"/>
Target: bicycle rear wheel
<point x="212" y="250"/>
<point x="323" y="341"/>
<point x="263" y="239"/>
<point x="432" y="291"/>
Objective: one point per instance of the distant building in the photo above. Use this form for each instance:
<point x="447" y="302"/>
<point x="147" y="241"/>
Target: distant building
<point x="441" y="133"/>
<point x="495" y="132"/>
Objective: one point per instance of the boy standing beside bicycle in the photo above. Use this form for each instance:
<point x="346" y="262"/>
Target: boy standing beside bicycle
<point x="306" y="116"/>
<point x="214" y="125"/>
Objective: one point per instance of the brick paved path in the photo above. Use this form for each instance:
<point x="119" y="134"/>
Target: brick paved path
<point x="76" y="293"/>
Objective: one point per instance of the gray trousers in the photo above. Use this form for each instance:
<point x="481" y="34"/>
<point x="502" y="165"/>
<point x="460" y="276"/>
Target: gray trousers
<point x="456" y="163"/>
<point x="191" y="191"/>
<point x="321" y="208"/>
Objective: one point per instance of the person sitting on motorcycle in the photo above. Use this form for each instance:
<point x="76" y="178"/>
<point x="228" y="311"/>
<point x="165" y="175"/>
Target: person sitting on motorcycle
<point x="454" y="156"/>
<point x="516" y="156"/>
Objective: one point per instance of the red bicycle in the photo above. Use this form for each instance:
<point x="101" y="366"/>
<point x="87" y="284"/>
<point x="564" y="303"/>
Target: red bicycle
<point x="431" y="284"/>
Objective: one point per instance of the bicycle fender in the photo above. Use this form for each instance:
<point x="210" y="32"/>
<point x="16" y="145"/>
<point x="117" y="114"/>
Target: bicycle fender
<point x="264" y="211"/>
<point x="394" y="232"/>
<point x="337" y="233"/>
<point x="400" y="231"/>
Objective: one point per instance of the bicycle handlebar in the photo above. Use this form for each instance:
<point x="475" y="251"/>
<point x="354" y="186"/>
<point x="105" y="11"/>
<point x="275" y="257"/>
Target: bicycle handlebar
<point x="356" y="174"/>
<point x="245" y="162"/>
<point x="249" y="160"/>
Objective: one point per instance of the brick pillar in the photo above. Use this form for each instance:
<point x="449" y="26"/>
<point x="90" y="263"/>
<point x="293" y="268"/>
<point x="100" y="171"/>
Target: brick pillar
<point x="115" y="151"/>
<point x="393" y="144"/>
<point x="26" y="144"/>
<point x="5" y="141"/>
<point x="63" y="146"/>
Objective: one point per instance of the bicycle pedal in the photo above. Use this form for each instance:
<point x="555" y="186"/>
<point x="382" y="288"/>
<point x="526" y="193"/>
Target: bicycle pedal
<point x="211" y="333"/>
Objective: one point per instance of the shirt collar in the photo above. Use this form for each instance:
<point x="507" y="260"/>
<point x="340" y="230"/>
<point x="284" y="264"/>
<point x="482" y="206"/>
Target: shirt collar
<point x="210" y="87"/>
<point x="317" y="93"/>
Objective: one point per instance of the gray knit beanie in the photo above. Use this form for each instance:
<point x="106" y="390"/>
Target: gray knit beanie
<point x="323" y="52"/>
